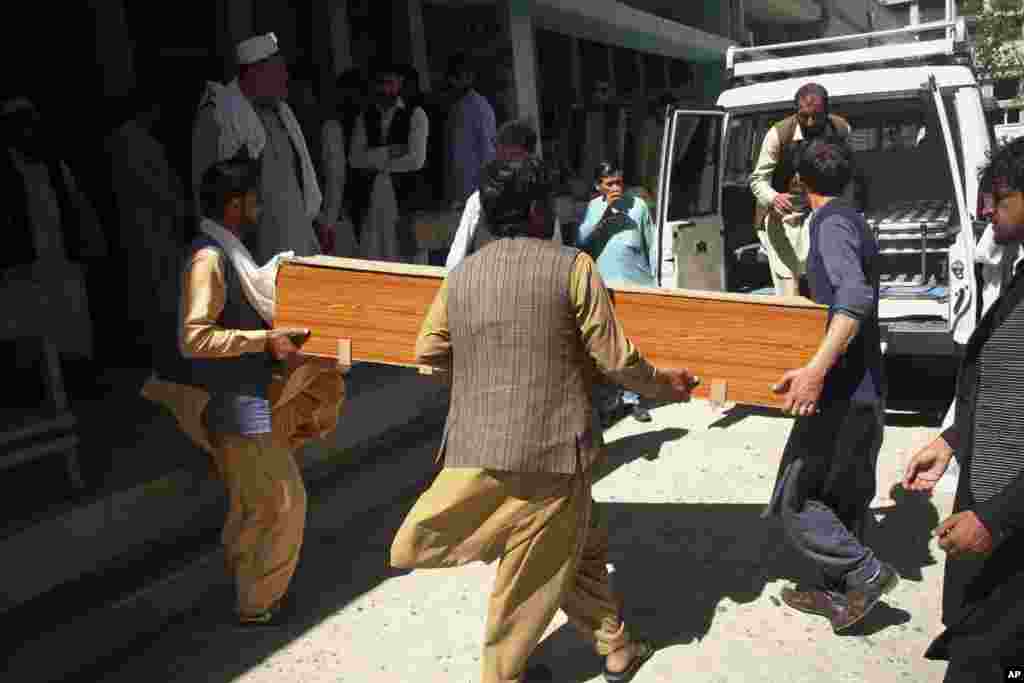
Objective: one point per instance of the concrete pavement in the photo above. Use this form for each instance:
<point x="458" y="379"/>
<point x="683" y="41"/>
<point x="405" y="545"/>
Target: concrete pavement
<point x="699" y="571"/>
<point x="144" y="549"/>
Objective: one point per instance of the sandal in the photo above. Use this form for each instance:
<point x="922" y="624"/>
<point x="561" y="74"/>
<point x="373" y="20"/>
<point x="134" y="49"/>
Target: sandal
<point x="627" y="674"/>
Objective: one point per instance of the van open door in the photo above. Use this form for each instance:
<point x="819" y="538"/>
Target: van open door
<point x="962" y="292"/>
<point x="689" y="217"/>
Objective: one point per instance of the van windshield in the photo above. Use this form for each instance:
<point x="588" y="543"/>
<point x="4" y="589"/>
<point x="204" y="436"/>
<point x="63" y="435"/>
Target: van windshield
<point x="903" y="186"/>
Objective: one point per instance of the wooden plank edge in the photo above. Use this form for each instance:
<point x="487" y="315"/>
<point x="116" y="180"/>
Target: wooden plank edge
<point x="439" y="272"/>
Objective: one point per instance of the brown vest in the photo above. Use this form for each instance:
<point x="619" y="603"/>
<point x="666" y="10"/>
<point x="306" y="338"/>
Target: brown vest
<point x="785" y="179"/>
<point x="520" y="397"/>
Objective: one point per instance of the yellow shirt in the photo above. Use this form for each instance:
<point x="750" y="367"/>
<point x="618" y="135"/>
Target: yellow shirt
<point x="202" y="298"/>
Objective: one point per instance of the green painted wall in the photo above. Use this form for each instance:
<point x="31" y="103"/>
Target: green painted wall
<point x="712" y="81"/>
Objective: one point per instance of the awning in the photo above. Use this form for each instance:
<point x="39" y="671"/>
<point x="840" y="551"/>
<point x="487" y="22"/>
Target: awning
<point x="614" y="23"/>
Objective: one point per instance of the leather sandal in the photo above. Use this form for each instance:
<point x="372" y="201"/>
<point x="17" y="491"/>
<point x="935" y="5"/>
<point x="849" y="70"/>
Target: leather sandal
<point x="645" y="651"/>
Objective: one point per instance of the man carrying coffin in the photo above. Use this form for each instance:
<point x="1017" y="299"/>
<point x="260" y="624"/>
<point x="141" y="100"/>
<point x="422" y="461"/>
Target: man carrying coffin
<point x="521" y="327"/>
<point x="243" y="393"/>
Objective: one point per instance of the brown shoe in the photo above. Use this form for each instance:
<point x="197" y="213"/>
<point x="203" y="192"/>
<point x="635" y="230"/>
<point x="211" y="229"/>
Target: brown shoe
<point x="861" y="601"/>
<point x="818" y="602"/>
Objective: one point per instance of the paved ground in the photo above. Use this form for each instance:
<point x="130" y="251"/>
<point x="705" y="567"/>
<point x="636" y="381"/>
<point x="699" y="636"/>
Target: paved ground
<point x="699" y="570"/>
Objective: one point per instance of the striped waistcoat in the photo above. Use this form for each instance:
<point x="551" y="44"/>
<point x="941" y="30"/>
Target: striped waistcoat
<point x="520" y="375"/>
<point x="997" y="457"/>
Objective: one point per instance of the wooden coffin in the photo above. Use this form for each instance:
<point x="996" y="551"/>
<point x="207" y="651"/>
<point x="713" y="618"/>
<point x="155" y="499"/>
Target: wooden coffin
<point x="738" y="344"/>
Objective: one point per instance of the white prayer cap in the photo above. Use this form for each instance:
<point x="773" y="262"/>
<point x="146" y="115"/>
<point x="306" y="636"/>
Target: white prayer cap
<point x="257" y="49"/>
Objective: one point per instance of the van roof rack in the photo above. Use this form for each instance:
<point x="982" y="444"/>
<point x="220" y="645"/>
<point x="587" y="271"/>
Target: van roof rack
<point x="749" y="62"/>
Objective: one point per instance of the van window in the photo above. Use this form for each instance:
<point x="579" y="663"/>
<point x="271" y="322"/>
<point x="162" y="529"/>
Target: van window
<point x="693" y="181"/>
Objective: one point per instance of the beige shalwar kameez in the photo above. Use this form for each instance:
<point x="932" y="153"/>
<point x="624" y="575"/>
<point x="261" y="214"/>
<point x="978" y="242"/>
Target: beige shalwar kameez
<point x="541" y="527"/>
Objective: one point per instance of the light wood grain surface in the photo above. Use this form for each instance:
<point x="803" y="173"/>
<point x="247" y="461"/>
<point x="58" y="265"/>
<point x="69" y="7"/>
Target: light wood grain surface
<point x="746" y="341"/>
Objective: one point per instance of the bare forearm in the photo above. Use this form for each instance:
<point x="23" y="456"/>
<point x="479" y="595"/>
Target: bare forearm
<point x="841" y="331"/>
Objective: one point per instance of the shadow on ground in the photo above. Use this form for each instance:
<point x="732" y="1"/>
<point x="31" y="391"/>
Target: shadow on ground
<point x="626" y="449"/>
<point x="899" y="413"/>
<point x="336" y="568"/>
<point x="676" y="563"/>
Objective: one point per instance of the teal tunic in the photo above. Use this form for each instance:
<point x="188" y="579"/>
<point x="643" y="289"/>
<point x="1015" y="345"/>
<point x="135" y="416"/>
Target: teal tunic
<point x="624" y="245"/>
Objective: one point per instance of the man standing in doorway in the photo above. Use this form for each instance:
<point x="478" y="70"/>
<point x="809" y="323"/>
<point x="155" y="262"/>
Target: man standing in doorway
<point x="389" y="145"/>
<point x="827" y="476"/>
<point x="471" y="132"/>
<point x="52" y="237"/>
<point x="780" y="218"/>
<point x="151" y="206"/>
<point x="251" y="112"/>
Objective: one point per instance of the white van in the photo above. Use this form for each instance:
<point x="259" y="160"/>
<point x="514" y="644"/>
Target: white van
<point x="919" y="137"/>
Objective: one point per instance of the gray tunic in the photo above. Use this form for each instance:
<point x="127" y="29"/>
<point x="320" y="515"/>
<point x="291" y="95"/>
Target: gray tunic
<point x="284" y="224"/>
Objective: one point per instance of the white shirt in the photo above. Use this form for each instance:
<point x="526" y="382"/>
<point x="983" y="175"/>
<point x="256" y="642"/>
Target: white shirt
<point x="473" y="233"/>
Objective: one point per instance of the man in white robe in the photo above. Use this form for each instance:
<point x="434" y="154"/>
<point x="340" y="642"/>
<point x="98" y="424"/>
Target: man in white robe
<point x="151" y="209"/>
<point x="251" y="111"/>
<point x="516" y="141"/>
<point x="53" y="243"/>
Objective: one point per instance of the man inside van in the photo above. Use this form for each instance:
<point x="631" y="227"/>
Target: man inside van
<point x="781" y="214"/>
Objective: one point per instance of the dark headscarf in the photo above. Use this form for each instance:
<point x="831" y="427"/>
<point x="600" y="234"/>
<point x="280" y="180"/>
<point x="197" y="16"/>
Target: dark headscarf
<point x="508" y="189"/>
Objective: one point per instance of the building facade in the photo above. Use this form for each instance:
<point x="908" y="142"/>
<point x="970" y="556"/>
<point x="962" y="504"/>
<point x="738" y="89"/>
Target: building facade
<point x="538" y="58"/>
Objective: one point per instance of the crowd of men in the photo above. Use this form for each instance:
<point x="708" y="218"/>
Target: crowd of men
<point x="520" y="445"/>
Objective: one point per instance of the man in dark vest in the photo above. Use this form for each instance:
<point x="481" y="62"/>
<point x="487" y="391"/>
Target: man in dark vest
<point x="827" y="476"/>
<point x="520" y="329"/>
<point x="781" y="216"/>
<point x="389" y="147"/>
<point x="235" y="358"/>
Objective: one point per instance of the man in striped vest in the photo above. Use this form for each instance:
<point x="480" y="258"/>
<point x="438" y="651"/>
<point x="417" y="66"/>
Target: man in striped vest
<point x="521" y="328"/>
<point x="984" y="537"/>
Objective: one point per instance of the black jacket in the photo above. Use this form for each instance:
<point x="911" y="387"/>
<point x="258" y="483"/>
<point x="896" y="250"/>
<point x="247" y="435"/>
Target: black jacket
<point x="982" y="597"/>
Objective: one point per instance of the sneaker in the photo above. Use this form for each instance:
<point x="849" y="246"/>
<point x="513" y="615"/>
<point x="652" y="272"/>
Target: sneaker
<point x="862" y="600"/>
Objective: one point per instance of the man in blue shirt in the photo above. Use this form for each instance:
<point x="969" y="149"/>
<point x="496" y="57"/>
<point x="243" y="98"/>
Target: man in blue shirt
<point x="618" y="233"/>
<point x="827" y="476"/>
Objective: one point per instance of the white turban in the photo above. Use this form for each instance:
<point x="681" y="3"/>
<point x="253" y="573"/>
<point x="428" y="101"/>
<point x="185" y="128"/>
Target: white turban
<point x="257" y="49"/>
